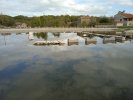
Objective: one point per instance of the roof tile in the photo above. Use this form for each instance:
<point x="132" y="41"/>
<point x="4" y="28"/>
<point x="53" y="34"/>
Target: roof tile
<point x="127" y="15"/>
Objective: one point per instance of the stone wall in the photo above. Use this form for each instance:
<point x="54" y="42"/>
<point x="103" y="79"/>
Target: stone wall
<point x="119" y="24"/>
<point x="130" y="23"/>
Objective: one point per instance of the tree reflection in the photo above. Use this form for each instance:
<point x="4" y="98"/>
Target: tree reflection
<point x="41" y="35"/>
<point x="5" y="34"/>
<point x="56" y="34"/>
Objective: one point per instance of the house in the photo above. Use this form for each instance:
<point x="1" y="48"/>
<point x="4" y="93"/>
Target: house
<point x="123" y="19"/>
<point x="21" y="25"/>
<point x="86" y="20"/>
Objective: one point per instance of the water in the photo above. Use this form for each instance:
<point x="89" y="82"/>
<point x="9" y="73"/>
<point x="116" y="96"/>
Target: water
<point x="77" y="72"/>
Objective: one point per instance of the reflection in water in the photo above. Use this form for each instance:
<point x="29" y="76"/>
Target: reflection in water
<point x="30" y="36"/>
<point x="5" y="34"/>
<point x="18" y="33"/>
<point x="56" y="34"/>
<point x="11" y="71"/>
<point x="97" y="72"/>
<point x="109" y="40"/>
<point x="4" y="38"/>
<point x="72" y="43"/>
<point x="41" y="35"/>
<point x="90" y="41"/>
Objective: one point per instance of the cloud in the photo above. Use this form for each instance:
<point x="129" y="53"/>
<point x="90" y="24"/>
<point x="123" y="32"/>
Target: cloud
<point x="123" y="2"/>
<point x="58" y="7"/>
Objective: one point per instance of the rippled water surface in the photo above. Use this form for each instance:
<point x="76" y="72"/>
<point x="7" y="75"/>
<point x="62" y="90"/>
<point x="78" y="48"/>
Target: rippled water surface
<point x="77" y="72"/>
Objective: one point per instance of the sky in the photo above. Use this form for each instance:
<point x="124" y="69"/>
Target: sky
<point x="65" y="7"/>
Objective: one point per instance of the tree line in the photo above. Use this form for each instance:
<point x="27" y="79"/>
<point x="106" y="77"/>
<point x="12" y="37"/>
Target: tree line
<point x="50" y="21"/>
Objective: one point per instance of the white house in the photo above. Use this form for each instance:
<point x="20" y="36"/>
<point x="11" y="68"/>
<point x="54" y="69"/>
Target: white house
<point x="123" y="19"/>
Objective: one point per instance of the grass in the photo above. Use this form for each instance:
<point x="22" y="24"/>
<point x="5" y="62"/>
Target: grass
<point x="124" y="28"/>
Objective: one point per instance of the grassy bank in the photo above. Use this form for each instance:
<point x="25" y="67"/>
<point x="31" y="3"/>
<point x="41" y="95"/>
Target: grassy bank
<point x="124" y="28"/>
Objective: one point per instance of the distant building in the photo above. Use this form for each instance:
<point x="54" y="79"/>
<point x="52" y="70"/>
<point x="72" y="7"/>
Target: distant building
<point x="123" y="19"/>
<point x="21" y="25"/>
<point x="86" y="20"/>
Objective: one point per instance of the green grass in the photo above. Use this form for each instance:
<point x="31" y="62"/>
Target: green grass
<point x="124" y="28"/>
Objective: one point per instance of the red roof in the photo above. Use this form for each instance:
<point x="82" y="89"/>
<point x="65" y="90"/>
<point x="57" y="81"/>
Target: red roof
<point x="127" y="15"/>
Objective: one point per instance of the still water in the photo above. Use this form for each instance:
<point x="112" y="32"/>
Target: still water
<point x="77" y="72"/>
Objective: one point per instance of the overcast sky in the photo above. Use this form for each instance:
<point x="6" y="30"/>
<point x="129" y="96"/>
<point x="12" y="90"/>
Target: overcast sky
<point x="63" y="7"/>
